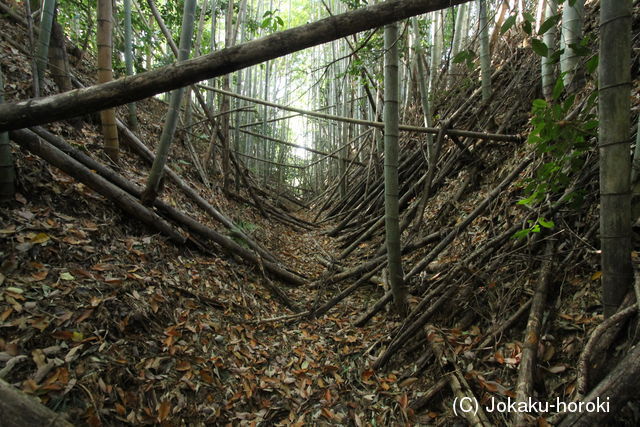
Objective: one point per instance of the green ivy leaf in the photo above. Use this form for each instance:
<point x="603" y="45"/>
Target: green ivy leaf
<point x="539" y="47"/>
<point x="508" y="23"/>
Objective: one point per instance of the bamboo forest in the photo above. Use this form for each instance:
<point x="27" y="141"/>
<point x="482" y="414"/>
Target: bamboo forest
<point x="319" y="212"/>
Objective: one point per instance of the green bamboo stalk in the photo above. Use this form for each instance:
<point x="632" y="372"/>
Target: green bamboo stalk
<point x="128" y="59"/>
<point x="153" y="183"/>
<point x="572" y="18"/>
<point x="42" y="50"/>
<point x="391" y="149"/>
<point x="485" y="54"/>
<point x="614" y="81"/>
<point x="549" y="38"/>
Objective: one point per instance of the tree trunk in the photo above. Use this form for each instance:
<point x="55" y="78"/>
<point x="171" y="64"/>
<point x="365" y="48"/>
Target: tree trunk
<point x="614" y="81"/>
<point x="422" y="85"/>
<point x="105" y="75"/>
<point x="140" y="86"/>
<point x="391" y="148"/>
<point x="212" y="47"/>
<point x="458" y="35"/>
<point x="32" y="44"/>
<point x="153" y="184"/>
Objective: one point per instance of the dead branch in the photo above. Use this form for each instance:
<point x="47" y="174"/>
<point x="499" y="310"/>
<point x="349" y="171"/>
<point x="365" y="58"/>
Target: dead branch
<point x="524" y="386"/>
<point x="32" y="142"/>
<point x="456" y="380"/>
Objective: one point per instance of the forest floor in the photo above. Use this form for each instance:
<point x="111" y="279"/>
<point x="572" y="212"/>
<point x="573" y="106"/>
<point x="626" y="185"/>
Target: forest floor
<point x="110" y="323"/>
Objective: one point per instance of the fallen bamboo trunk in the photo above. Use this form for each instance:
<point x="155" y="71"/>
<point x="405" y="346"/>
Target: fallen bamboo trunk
<point x="498" y="330"/>
<point x="379" y="305"/>
<point x="610" y="394"/>
<point x="407" y="128"/>
<point x="345" y="293"/>
<point x="423" y="400"/>
<point x="164" y="208"/>
<point x="464" y="224"/>
<point x="457" y="382"/>
<point x="32" y="142"/>
<point x="524" y="386"/>
<point x="401" y="339"/>
<point x="20" y="410"/>
<point x="378" y="222"/>
<point x="244" y="179"/>
<point x="360" y="269"/>
<point x="362" y="320"/>
<point x="139" y="147"/>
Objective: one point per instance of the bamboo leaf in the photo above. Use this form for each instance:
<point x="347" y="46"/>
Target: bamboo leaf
<point x="558" y="88"/>
<point x="539" y="103"/>
<point x="460" y="57"/>
<point x="548" y="24"/>
<point x="539" y="47"/>
<point x="508" y="23"/>
<point x="592" y="64"/>
<point x="546" y="224"/>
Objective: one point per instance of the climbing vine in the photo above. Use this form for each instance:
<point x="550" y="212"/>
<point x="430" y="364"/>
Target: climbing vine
<point x="563" y="141"/>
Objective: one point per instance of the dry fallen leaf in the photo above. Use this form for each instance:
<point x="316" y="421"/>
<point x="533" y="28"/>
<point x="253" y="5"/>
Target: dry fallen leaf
<point x="183" y="365"/>
<point x="163" y="410"/>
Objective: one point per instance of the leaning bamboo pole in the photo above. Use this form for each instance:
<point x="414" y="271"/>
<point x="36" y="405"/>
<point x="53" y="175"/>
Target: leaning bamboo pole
<point x="406" y="128"/>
